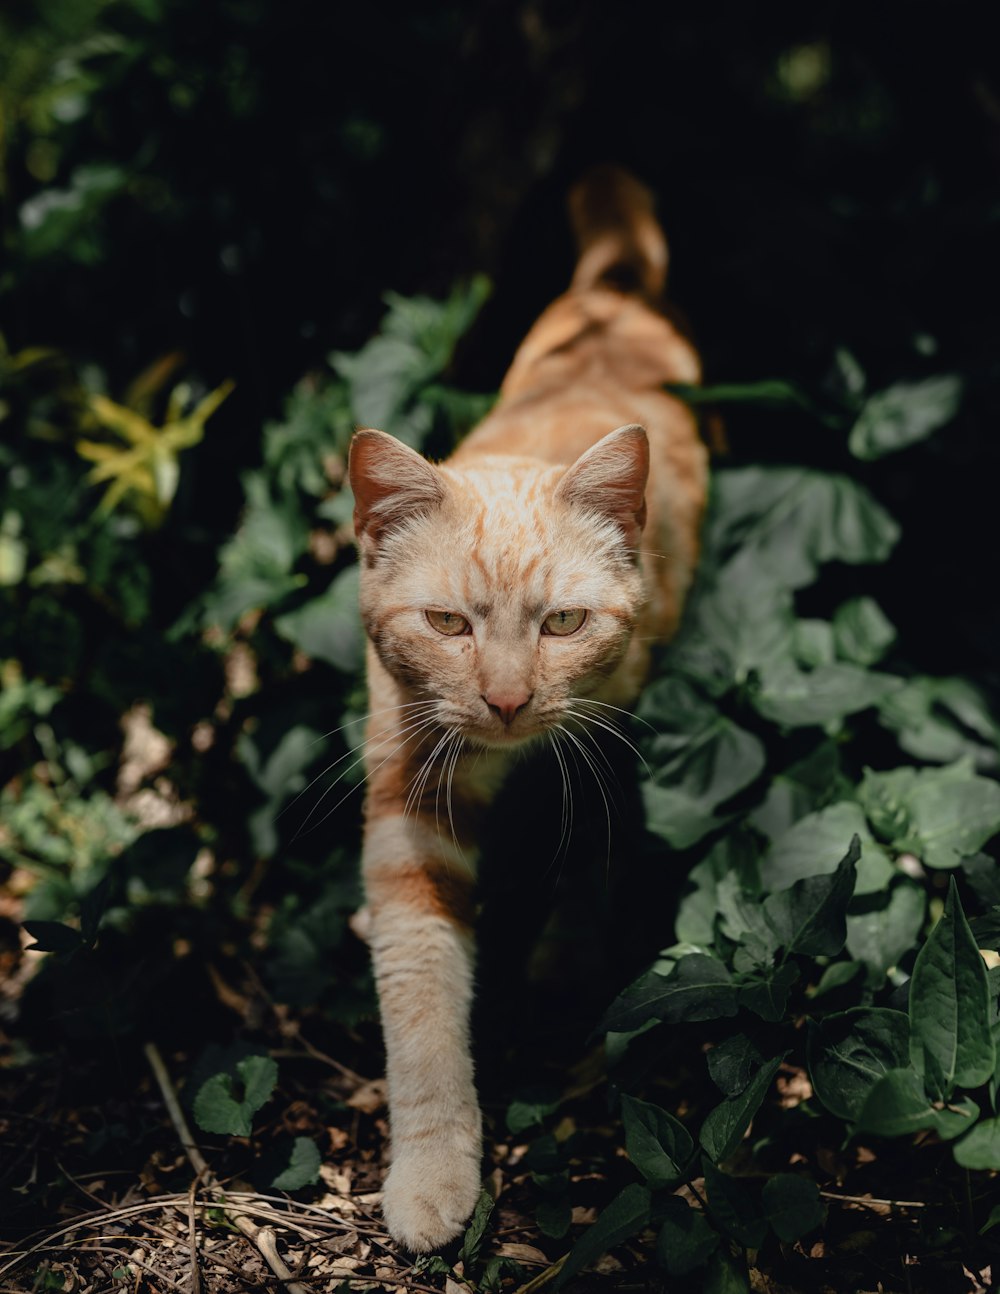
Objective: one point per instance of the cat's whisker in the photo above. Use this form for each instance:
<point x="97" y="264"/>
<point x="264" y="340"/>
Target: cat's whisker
<point x="598" y="778"/>
<point x="601" y="754"/>
<point x="451" y="775"/>
<point x="453" y="734"/>
<point x="370" y="714"/>
<point x="406" y="734"/>
<point x="340" y="759"/>
<point x="566" y="823"/>
<point x="606" y="705"/>
<point x="419" y="780"/>
<point x="615" y="732"/>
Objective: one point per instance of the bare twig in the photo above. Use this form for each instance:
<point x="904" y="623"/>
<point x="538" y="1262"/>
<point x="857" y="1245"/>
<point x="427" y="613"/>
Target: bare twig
<point x="266" y="1248"/>
<point x="871" y="1202"/>
<point x="193" y="1240"/>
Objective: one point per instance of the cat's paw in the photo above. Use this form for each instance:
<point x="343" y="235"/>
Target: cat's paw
<point x="430" y="1194"/>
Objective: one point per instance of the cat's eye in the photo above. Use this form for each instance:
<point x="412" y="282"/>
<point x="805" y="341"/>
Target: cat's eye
<point x="562" y="623"/>
<point x="449" y="623"/>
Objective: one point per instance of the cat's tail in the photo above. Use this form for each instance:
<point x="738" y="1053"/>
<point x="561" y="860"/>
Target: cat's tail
<point x="619" y="240"/>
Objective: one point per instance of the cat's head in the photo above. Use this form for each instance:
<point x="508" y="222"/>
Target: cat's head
<point x="503" y="589"/>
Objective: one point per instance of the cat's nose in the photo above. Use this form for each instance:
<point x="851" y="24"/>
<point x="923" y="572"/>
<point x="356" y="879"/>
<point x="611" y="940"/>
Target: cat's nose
<point x="508" y="703"/>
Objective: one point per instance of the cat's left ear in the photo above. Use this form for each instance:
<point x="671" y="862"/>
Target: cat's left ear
<point x="391" y="484"/>
<point x="610" y="479"/>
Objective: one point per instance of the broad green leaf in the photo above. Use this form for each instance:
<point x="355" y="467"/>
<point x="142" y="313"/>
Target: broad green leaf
<point x="530" y="1109"/>
<point x="554" y="1217"/>
<point x="734" y="1207"/>
<point x="940" y="814"/>
<point x="725" y="1275"/>
<point x="328" y="627"/>
<point x="812" y="643"/>
<point x="770" y="392"/>
<point x="810" y="917"/>
<point x="627" y="1213"/>
<point x="742" y="920"/>
<point x="950" y="1008"/>
<point x="699" y="760"/>
<point x="805" y="786"/>
<point x="862" y="633"/>
<point x="698" y="988"/>
<point x="815" y="845"/>
<point x="942" y="720"/>
<point x="789" y="521"/>
<point x="733" y="1062"/>
<point x="221" y="1107"/>
<point x="658" y="1144"/>
<point x="725" y="1126"/>
<point x="475" y="1232"/>
<point x="303" y="1166"/>
<point x="796" y="698"/>
<point x="734" y="855"/>
<point x="882" y="927"/>
<point x="849" y="1052"/>
<point x="53" y="937"/>
<point x="903" y="414"/>
<point x="980" y="1148"/>
<point x="766" y="992"/>
<point x="686" y="1239"/>
<point x="793" y="1206"/>
<point x="897" y="1106"/>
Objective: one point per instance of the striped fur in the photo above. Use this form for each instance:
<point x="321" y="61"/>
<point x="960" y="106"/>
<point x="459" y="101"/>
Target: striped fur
<point x="540" y="510"/>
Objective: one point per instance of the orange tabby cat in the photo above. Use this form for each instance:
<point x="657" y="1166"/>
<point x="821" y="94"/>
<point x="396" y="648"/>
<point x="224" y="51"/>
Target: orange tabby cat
<point x="507" y="594"/>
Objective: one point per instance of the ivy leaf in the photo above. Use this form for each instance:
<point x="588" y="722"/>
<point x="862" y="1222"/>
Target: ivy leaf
<point x="698" y="988"/>
<point x="686" y="1240"/>
<point x="627" y="1213"/>
<point x="220" y="1105"/>
<point x="950" y="1007"/>
<point x="939" y="814"/>
<point x="734" y="1208"/>
<point x="903" y="414"/>
<point x="658" y="1144"/>
<point x="881" y="928"/>
<point x="475" y="1232"/>
<point x="898" y="1105"/>
<point x="862" y="633"/>
<point x="792" y="1205"/>
<point x="942" y="720"/>
<point x="302" y="1169"/>
<point x="814" y="846"/>
<point x="811" y="916"/>
<point x="328" y="628"/>
<point x="724" y="1126"/>
<point x="980" y="1148"/>
<point x="734" y="1062"/>
<point x="766" y="993"/>
<point x="849" y="1052"/>
<point x="797" y="698"/>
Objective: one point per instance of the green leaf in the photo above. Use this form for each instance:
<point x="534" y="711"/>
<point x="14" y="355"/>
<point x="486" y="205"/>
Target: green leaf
<point x="814" y="846"/>
<point x="903" y="414"/>
<point x="221" y="1107"/>
<point x="940" y="814"/>
<point x="898" y="1105"/>
<point x="725" y="1126"/>
<point x="328" y="628"/>
<point x="804" y="787"/>
<point x="950" y="1008"/>
<point x="769" y="393"/>
<point x="796" y="698"/>
<point x="554" y="1217"/>
<point x="793" y="1206"/>
<point x="699" y="760"/>
<point x="686" y="1240"/>
<point x="735" y="854"/>
<point x="475" y="1232"/>
<point x="811" y="916"/>
<point x="698" y="988"/>
<point x="849" y="1052"/>
<point x="658" y="1144"/>
<point x="942" y="720"/>
<point x="766" y="993"/>
<point x="736" y="1210"/>
<point x="725" y="1275"/>
<point x="304" y="1163"/>
<point x="627" y="1213"/>
<point x="734" y="1062"/>
<point x="789" y="521"/>
<point x="980" y="1148"/>
<point x="531" y="1108"/>
<point x="53" y="937"/>
<point x="862" y="633"/>
<point x="881" y="928"/>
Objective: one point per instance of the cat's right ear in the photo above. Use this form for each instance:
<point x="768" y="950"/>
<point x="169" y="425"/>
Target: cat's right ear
<point x="391" y="484"/>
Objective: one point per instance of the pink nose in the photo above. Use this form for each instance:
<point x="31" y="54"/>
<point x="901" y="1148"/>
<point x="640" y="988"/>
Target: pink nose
<point x="508" y="703"/>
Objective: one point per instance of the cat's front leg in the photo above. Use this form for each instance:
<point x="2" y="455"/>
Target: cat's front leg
<point x="419" y="894"/>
